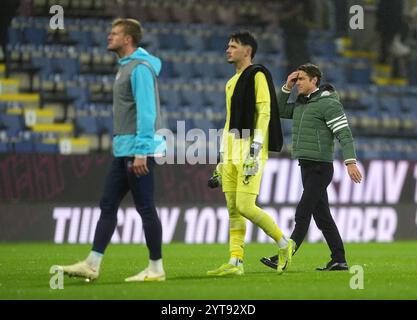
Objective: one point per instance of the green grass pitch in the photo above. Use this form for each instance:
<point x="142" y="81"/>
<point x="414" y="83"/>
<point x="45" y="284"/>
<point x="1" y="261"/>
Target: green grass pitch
<point x="390" y="272"/>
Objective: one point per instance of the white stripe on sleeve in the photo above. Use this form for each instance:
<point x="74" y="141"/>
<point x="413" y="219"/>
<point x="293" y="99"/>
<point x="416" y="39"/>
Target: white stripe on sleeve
<point x="334" y="120"/>
<point x="340" y="127"/>
<point x="344" y="121"/>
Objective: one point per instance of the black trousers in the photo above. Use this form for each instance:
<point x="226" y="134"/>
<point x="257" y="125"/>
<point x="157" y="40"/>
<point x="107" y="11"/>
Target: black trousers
<point x="316" y="176"/>
<point x="120" y="180"/>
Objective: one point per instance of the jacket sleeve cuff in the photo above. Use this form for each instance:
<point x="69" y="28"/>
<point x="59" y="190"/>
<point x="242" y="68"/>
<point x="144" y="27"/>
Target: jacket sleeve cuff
<point x="285" y="89"/>
<point x="350" y="161"/>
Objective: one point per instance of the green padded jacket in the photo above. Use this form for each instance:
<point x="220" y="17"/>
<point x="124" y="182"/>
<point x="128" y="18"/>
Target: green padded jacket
<point x="316" y="122"/>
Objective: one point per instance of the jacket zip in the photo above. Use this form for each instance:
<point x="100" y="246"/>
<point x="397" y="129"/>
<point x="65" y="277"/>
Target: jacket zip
<point x="299" y="128"/>
<point x="318" y="139"/>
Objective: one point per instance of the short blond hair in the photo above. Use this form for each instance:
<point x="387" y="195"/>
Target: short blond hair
<point x="131" y="27"/>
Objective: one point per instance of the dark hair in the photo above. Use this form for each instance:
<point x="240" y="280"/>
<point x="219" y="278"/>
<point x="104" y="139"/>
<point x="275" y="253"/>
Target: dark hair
<point x="247" y="39"/>
<point x="312" y="71"/>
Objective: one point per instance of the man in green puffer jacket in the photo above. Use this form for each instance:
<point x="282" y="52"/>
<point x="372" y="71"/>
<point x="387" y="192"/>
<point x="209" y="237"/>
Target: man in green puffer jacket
<point x="318" y="118"/>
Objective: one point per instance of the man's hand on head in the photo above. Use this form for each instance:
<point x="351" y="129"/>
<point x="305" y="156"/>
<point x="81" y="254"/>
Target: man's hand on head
<point x="291" y="80"/>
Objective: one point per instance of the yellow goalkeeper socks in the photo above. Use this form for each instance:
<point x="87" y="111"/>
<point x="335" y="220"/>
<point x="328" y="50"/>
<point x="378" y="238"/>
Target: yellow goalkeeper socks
<point x="237" y="227"/>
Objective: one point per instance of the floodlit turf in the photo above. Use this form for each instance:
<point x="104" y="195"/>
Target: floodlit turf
<point x="390" y="272"/>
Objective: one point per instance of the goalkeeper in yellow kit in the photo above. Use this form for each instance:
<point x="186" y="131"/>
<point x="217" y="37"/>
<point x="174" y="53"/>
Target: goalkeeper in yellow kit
<point x="252" y="129"/>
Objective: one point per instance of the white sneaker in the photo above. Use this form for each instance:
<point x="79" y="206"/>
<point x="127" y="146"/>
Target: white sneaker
<point x="398" y="49"/>
<point x="81" y="269"/>
<point x="147" y="275"/>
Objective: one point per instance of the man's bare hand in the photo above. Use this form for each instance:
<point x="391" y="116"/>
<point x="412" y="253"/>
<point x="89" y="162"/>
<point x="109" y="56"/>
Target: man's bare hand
<point x="354" y="173"/>
<point x="291" y="80"/>
<point x="139" y="167"/>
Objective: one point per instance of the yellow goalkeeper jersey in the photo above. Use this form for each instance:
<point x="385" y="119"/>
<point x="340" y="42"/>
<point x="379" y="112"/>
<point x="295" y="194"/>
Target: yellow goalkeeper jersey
<point x="234" y="149"/>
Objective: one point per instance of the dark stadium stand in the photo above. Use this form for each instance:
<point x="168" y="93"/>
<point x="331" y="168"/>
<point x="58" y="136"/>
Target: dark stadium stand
<point x="63" y="79"/>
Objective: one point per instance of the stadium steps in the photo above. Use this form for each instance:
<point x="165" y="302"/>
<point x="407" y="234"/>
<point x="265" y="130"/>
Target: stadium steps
<point x="359" y="54"/>
<point x="62" y="129"/>
<point x="74" y="146"/>
<point x="26" y="99"/>
<point x="382" y="81"/>
<point x="39" y="116"/>
<point x="9" y="86"/>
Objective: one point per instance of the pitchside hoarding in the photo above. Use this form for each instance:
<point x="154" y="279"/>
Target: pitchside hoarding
<point x="55" y="198"/>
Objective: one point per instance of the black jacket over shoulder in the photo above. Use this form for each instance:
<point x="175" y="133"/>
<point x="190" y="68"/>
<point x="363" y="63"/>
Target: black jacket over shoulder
<point x="243" y="107"/>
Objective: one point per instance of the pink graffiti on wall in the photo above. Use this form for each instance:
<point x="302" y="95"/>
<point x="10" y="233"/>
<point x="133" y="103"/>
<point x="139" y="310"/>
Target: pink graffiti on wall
<point x="41" y="177"/>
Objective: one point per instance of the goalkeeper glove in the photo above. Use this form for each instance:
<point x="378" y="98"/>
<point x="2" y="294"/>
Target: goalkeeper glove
<point x="216" y="179"/>
<point x="251" y="166"/>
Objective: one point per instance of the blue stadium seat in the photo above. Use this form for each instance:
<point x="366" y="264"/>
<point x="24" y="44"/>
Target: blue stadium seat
<point x="167" y="70"/>
<point x="171" y="41"/>
<point x="15" y="36"/>
<point x="4" y="147"/>
<point x="14" y="123"/>
<point x="194" y="43"/>
<point x="204" y="71"/>
<point x="35" y="36"/>
<point x="66" y="66"/>
<point x="222" y="70"/>
<point x="204" y="124"/>
<point x="24" y="146"/>
<point x="269" y="45"/>
<point x="359" y="72"/>
<point x="83" y="38"/>
<point x="335" y="75"/>
<point x="390" y="104"/>
<point x="81" y="95"/>
<point x="369" y="102"/>
<point x="44" y="64"/>
<point x="278" y="72"/>
<point x="217" y="43"/>
<point x="105" y="119"/>
<point x="150" y="42"/>
<point x="86" y="124"/>
<point x="191" y="98"/>
<point x="409" y="104"/>
<point x="99" y="39"/>
<point x="46" y="148"/>
<point x="215" y="99"/>
<point x="182" y="70"/>
<point x="170" y="97"/>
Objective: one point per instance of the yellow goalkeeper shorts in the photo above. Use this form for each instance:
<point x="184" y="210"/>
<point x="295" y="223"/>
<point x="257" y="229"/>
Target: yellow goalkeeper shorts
<point x="233" y="178"/>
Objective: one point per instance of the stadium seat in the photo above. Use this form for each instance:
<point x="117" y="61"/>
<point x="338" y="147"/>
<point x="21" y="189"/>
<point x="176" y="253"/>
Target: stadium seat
<point x="194" y="43"/>
<point x="182" y="69"/>
<point x="82" y="38"/>
<point x="191" y="98"/>
<point x="171" y="41"/>
<point x="170" y="97"/>
<point x="15" y="36"/>
<point x="204" y="70"/>
<point x="409" y="104"/>
<point x="222" y="70"/>
<point x="5" y="147"/>
<point x="14" y="123"/>
<point x="359" y="72"/>
<point x="86" y="124"/>
<point x="167" y="70"/>
<point x="81" y="95"/>
<point x="44" y="64"/>
<point x="217" y="43"/>
<point x="35" y="36"/>
<point x="66" y="66"/>
<point x="390" y="104"/>
<point x="215" y="99"/>
<point x="24" y="146"/>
